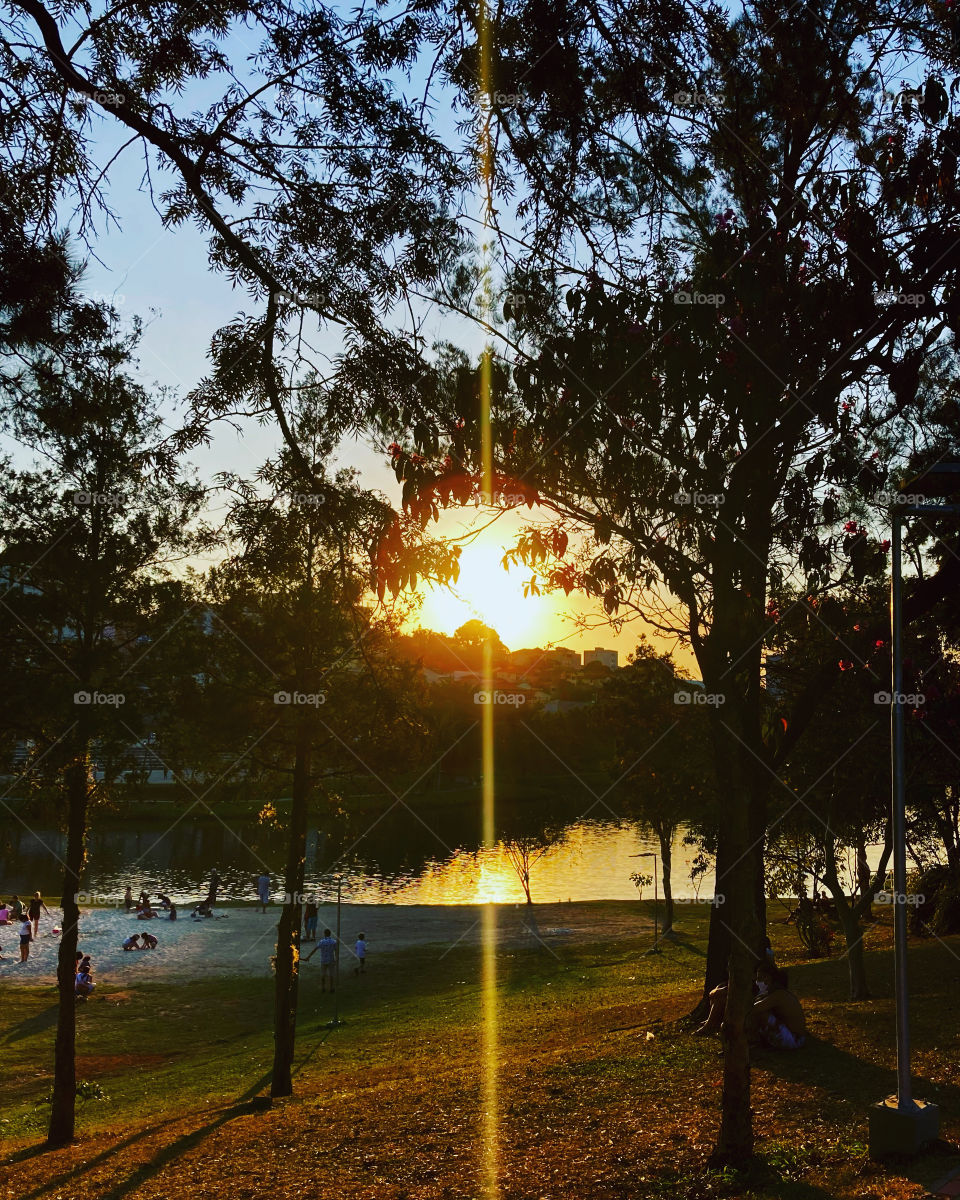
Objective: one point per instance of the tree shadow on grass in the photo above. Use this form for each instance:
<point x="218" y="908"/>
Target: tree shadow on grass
<point x="38" y="1023"/>
<point x="248" y="1102"/>
<point x="845" y="1082"/>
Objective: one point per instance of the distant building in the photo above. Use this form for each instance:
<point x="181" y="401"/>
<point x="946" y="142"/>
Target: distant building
<point x="607" y="658"/>
<point x="565" y="656"/>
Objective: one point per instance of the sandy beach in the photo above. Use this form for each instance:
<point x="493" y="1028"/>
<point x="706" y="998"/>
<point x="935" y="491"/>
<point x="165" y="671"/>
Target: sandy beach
<point x="239" y="939"/>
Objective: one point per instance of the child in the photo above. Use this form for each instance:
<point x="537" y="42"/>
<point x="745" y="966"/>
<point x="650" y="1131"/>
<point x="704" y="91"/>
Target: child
<point x="4" y="913"/>
<point x="328" y="960"/>
<point x="26" y="936"/>
<point x="360" y="950"/>
<point x="132" y="942"/>
<point x="16" y="906"/>
<point x="149" y="941"/>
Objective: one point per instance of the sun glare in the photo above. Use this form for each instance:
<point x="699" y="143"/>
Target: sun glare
<point x="487" y="592"/>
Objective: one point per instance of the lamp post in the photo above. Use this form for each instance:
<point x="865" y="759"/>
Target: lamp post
<point x="900" y="1124"/>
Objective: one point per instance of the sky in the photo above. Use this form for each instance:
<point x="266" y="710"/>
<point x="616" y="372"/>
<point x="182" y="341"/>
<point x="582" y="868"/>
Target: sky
<point x="162" y="276"/>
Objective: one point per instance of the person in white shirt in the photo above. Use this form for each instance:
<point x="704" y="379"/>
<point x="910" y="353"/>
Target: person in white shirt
<point x="26" y="936"/>
<point x="132" y="942"/>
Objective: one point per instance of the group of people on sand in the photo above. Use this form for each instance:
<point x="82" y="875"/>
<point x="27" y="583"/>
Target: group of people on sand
<point x="776" y="1019"/>
<point x="145" y="910"/>
<point x="26" y="917"/>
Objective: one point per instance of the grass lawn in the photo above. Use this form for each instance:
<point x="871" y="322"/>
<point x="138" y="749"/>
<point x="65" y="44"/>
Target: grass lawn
<point x="602" y="1094"/>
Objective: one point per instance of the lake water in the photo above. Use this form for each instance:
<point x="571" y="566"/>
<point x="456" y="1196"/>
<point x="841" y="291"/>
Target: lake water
<point x="400" y="857"/>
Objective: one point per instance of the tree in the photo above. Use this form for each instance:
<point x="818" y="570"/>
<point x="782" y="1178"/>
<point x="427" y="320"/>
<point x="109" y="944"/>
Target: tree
<point x="320" y="189"/>
<point x="87" y="533"/>
<point x="302" y="684"/>
<point x="692" y="190"/>
<point x="662" y="767"/>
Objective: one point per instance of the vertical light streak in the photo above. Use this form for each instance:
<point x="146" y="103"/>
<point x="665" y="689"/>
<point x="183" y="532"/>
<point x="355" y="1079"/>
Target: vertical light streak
<point x="489" y="1021"/>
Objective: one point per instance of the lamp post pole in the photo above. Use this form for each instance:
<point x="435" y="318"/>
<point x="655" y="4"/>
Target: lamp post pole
<point x="900" y="1124"/>
<point x="899" y="803"/>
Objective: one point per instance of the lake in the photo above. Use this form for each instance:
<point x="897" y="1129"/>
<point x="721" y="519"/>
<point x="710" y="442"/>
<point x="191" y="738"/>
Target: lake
<point x="402" y="856"/>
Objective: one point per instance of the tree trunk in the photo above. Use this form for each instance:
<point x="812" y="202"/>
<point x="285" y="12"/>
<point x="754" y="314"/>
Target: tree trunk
<point x="718" y="938"/>
<point x="853" y="934"/>
<point x="63" y="1109"/>
<point x="735" y="1142"/>
<point x="666" y="861"/>
<point x="287" y="982"/>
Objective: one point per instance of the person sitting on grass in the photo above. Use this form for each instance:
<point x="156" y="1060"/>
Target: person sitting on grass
<point x="84" y="985"/>
<point x="718" y="1005"/>
<point x="149" y="941"/>
<point x="777" y="1012"/>
<point x="4" y="913"/>
<point x="132" y="942"/>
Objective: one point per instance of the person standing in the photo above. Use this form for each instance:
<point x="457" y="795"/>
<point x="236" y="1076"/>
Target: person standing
<point x="328" y="960"/>
<point x="128" y="898"/>
<point x="26" y="936"/>
<point x="263" y="891"/>
<point x="360" y="950"/>
<point x="310" y="921"/>
<point x="33" y="912"/>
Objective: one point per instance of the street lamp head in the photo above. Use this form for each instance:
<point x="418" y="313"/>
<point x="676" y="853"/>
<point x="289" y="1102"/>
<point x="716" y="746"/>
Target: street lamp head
<point x="937" y="482"/>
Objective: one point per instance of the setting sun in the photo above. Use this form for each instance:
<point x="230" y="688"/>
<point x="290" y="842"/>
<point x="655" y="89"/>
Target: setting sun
<point x="489" y="593"/>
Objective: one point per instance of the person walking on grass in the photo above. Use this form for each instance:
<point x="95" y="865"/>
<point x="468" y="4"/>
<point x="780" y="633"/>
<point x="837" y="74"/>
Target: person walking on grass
<point x="263" y="891"/>
<point x="26" y="936"/>
<point x="360" y="950"/>
<point x="33" y="912"/>
<point x="328" y="960"/>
